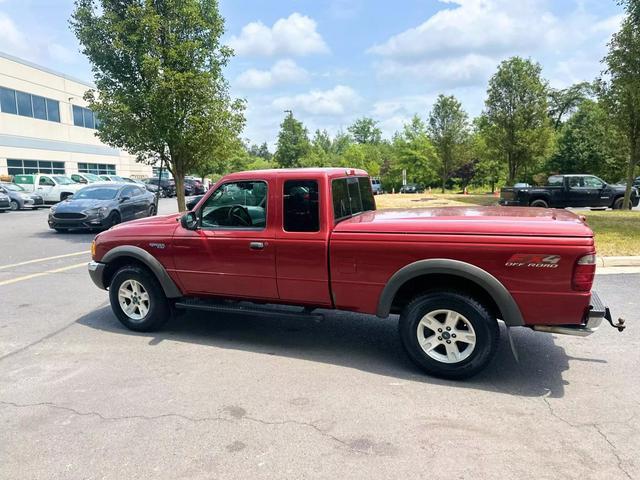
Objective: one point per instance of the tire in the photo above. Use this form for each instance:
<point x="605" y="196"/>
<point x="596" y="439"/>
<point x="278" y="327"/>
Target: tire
<point x="14" y="206"/>
<point x="62" y="230"/>
<point x="113" y="219"/>
<point x="150" y="307"/>
<point x="152" y="211"/>
<point x="618" y="202"/>
<point x="472" y="321"/>
<point x="539" y="204"/>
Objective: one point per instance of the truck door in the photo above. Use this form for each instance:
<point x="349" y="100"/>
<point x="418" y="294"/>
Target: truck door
<point x="576" y="193"/>
<point x="599" y="194"/>
<point x="232" y="253"/>
<point x="302" y="239"/>
<point x="47" y="188"/>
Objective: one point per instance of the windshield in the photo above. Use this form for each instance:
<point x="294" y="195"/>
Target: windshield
<point x="63" y="180"/>
<point x="13" y="187"/>
<point x="91" y="177"/>
<point x="96" y="193"/>
<point x="351" y="196"/>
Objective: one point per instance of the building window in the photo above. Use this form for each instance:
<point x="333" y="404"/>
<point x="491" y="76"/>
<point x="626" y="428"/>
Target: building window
<point x="24" y="167"/>
<point x="97" y="168"/>
<point x="27" y="105"/>
<point x="83" y="117"/>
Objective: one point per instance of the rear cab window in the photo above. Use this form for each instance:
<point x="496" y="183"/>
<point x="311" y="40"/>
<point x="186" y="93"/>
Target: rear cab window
<point x="301" y="207"/>
<point x="351" y="196"/>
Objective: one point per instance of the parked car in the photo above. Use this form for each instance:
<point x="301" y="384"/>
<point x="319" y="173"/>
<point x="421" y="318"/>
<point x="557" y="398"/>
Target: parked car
<point x="86" y="178"/>
<point x="133" y="180"/>
<point x="412" y="188"/>
<point x="52" y="188"/>
<point x="196" y="183"/>
<point x="167" y="185"/>
<point x="192" y="201"/>
<point x="5" y="202"/>
<point x="101" y="206"/>
<point x="568" y="191"/>
<point x="313" y="237"/>
<point x="112" y="178"/>
<point x="19" y="198"/>
<point x="376" y="186"/>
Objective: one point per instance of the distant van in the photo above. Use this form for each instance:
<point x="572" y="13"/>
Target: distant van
<point x="376" y="186"/>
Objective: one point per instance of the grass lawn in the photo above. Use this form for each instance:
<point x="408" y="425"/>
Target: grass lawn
<point x="617" y="233"/>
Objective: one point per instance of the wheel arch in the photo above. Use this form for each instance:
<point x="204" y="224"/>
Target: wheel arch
<point x="423" y="275"/>
<point x="132" y="255"/>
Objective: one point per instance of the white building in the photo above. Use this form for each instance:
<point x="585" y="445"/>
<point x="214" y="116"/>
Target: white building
<point x="45" y="126"/>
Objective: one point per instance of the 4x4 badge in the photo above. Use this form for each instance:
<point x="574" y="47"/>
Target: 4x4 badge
<point x="533" y="260"/>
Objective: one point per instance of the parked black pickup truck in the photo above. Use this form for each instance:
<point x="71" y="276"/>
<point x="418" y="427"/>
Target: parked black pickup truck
<point x="568" y="191"/>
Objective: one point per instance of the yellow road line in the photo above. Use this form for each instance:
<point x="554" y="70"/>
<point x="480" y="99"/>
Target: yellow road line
<point x="38" y="260"/>
<point x="42" y="274"/>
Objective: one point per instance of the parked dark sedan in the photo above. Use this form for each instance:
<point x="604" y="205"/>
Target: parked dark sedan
<point x="101" y="206"/>
<point x="412" y="188"/>
<point x="191" y="202"/>
<point x="19" y="198"/>
<point x="167" y="186"/>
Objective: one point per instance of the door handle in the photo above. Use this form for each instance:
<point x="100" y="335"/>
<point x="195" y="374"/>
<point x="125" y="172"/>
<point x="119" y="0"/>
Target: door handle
<point x="256" y="245"/>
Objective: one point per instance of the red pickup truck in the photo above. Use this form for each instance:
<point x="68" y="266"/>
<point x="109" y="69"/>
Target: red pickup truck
<point x="313" y="238"/>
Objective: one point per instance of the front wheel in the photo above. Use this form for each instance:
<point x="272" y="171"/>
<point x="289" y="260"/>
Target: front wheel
<point x="449" y="335"/>
<point x="14" y="205"/>
<point x="619" y="202"/>
<point x="137" y="299"/>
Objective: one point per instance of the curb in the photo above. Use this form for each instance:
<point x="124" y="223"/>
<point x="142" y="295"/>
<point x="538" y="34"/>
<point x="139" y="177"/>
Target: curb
<point x="618" y="261"/>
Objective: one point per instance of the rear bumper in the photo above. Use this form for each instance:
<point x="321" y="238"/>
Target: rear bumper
<point x="592" y="321"/>
<point x="96" y="272"/>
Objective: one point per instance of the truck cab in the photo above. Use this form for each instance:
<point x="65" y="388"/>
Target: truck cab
<point x="52" y="188"/>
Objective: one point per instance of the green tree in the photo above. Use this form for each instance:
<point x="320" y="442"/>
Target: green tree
<point x="293" y="142"/>
<point x="161" y="93"/>
<point x="565" y="101"/>
<point x="518" y="127"/>
<point x="322" y="140"/>
<point x="620" y="89"/>
<point x="413" y="152"/>
<point x="449" y="132"/>
<point x="261" y="151"/>
<point x="365" y="131"/>
<point x="490" y="169"/>
<point x="589" y="143"/>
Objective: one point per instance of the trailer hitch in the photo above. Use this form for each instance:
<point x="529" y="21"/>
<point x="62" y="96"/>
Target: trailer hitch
<point x="619" y="325"/>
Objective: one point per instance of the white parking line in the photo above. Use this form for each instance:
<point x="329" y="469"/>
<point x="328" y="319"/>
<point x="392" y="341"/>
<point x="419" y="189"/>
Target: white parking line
<point x="38" y="260"/>
<point x="42" y="274"/>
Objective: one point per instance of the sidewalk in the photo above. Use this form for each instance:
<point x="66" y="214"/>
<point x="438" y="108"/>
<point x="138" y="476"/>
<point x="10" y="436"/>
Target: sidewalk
<point x="618" y="261"/>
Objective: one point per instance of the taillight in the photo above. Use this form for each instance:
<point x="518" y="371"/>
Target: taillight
<point x="584" y="273"/>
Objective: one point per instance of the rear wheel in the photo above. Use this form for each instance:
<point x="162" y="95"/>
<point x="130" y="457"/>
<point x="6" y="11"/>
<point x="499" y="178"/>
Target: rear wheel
<point x="137" y="299"/>
<point x="539" y="203"/>
<point x="449" y="335"/>
<point x="618" y="203"/>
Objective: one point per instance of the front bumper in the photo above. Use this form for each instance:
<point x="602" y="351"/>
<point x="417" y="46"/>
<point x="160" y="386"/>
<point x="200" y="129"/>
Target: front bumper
<point x="86" y="222"/>
<point x="96" y="272"/>
<point x="598" y="312"/>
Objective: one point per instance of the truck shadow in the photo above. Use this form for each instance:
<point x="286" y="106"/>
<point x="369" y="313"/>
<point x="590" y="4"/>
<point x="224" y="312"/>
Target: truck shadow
<point x="362" y="342"/>
<point x="72" y="236"/>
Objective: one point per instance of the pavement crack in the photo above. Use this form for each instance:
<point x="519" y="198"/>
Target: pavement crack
<point x="32" y="344"/>
<point x="116" y="418"/>
<point x="614" y="451"/>
<point x="598" y="429"/>
<point x="186" y="418"/>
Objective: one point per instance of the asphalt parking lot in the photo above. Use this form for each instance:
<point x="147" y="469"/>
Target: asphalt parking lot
<point x="218" y="396"/>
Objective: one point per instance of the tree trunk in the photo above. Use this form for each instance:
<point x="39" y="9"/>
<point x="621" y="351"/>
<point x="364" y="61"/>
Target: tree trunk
<point x="633" y="161"/>
<point x="179" y="179"/>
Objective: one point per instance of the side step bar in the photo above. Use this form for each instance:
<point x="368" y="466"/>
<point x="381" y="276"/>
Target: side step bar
<point x="244" y="308"/>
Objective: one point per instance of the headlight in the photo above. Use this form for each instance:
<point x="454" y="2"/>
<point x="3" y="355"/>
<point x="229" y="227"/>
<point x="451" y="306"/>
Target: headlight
<point x="96" y="211"/>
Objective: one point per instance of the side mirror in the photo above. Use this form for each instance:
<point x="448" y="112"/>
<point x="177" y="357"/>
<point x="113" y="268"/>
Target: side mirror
<point x="124" y="199"/>
<point x="189" y="221"/>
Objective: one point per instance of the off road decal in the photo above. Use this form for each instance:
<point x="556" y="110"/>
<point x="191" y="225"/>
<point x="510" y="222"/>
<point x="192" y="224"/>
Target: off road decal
<point x="533" y="260"/>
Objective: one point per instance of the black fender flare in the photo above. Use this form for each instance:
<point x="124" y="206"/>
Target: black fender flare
<point x="171" y="290"/>
<point x="505" y="302"/>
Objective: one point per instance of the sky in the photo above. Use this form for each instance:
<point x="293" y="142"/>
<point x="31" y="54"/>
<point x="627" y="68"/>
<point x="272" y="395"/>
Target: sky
<point x="333" y="61"/>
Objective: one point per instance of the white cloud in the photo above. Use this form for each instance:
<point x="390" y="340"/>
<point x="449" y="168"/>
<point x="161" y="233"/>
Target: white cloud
<point x="295" y="35"/>
<point x="338" y="101"/>
<point x="462" y="44"/>
<point x="12" y="40"/>
<point x="62" y="54"/>
<point x="282" y="72"/>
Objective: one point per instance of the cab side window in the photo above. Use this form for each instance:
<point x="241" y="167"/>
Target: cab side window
<point x="241" y="205"/>
<point x="576" y="182"/>
<point x="593" y="182"/>
<point x="46" y="181"/>
<point x="301" y="209"/>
